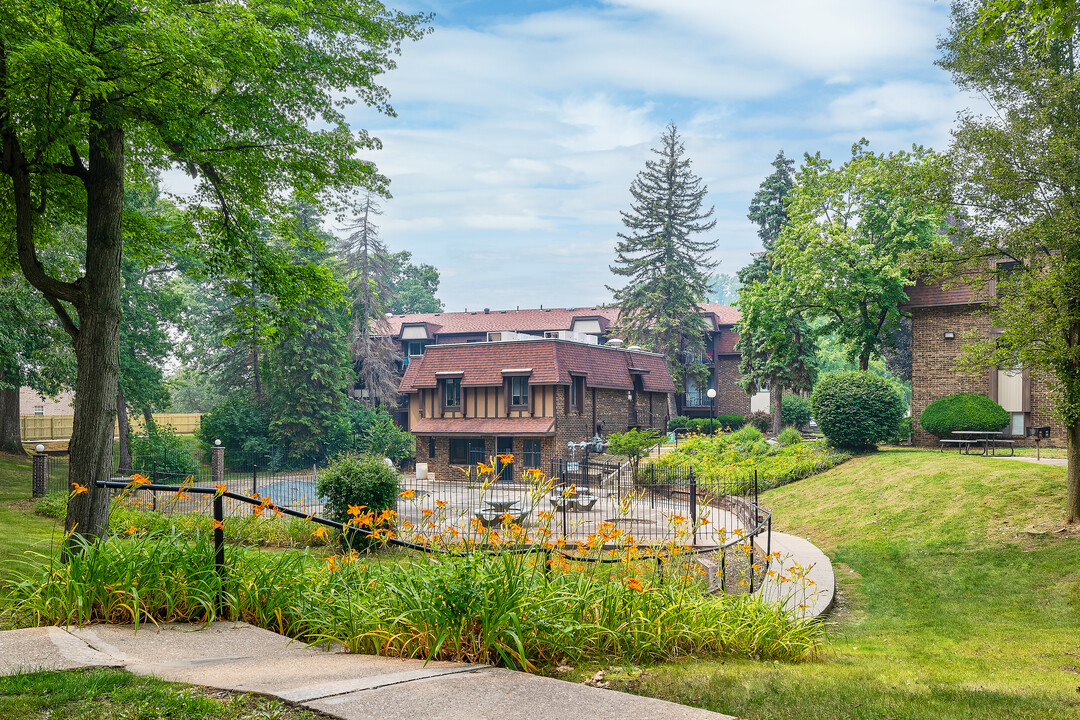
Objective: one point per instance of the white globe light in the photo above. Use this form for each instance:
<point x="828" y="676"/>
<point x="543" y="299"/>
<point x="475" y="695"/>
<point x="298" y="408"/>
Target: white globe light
<point x="40" y="448"/>
<point x="711" y="393"/>
<point x="217" y="442"/>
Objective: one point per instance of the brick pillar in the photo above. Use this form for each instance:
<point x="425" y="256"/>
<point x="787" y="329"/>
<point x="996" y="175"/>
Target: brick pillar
<point x="40" y="476"/>
<point x="217" y="465"/>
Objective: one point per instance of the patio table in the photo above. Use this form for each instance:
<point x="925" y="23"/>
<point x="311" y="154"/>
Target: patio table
<point x="987" y="438"/>
<point x="501" y="504"/>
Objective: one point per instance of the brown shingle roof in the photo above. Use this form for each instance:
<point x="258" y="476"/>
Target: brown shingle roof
<point x="484" y="426"/>
<point x="553" y="362"/>
<point x="531" y="320"/>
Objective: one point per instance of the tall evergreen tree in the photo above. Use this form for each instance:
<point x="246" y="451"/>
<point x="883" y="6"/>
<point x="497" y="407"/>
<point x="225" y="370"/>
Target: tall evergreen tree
<point x="776" y="343"/>
<point x="668" y="270"/>
<point x="374" y="356"/>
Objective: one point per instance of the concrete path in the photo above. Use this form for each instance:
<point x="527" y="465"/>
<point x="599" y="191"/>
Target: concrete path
<point x="811" y="596"/>
<point x="243" y="658"/>
<point x="1043" y="461"/>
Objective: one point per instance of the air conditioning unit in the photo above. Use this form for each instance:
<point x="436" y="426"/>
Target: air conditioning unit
<point x="572" y="336"/>
<point x="507" y="336"/>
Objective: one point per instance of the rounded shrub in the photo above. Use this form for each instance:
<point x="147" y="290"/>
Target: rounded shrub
<point x="856" y="409"/>
<point x="365" y="480"/>
<point x="795" y="410"/>
<point x="678" y="422"/>
<point x="963" y="411"/>
<point x="731" y="420"/>
<point x="760" y="419"/>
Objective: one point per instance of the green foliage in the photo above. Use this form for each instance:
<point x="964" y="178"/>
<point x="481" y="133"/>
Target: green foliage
<point x="503" y="610"/>
<point x="789" y="436"/>
<point x="760" y="420"/>
<point x="243" y="528"/>
<point x="411" y="287"/>
<point x="727" y="461"/>
<point x="162" y="449"/>
<point x="309" y="371"/>
<point x="53" y="505"/>
<point x="239" y="422"/>
<point x="843" y="256"/>
<point x="633" y="444"/>
<point x="357" y="479"/>
<point x="731" y="420"/>
<point x="795" y="410"/>
<point x="667" y="269"/>
<point x="372" y="430"/>
<point x="963" y="411"/>
<point x="903" y="431"/>
<point x="857" y="409"/>
<point x="678" y="422"/>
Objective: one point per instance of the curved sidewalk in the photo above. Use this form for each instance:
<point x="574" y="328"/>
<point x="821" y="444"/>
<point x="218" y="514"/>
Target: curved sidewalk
<point x="814" y="594"/>
<point x="243" y="658"/>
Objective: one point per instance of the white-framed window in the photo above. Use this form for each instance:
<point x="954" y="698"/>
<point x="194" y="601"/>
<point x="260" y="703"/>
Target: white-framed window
<point x="39" y="410"/>
<point x="1016" y="423"/>
<point x="519" y="391"/>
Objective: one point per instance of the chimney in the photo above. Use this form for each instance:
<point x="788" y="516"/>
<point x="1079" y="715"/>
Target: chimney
<point x="487" y="311"/>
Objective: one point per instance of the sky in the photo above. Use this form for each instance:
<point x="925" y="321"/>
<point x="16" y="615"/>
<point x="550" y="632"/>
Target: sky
<point x="521" y="125"/>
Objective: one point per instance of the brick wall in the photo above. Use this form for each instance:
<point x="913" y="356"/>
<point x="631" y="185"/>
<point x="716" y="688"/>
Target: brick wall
<point x="440" y="466"/>
<point x="730" y="398"/>
<point x="934" y="374"/>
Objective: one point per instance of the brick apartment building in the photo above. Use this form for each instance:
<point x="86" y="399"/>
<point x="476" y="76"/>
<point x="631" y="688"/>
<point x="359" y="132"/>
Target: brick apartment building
<point x="413" y="334"/>
<point x="939" y="319"/>
<point x="471" y="401"/>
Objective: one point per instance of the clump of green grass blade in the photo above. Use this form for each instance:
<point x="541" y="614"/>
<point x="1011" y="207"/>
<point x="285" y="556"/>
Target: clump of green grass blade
<point x="502" y="610"/>
<point x="244" y="529"/>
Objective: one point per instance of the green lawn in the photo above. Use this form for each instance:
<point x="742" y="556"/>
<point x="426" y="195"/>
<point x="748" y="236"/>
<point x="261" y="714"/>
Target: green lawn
<point x="947" y="607"/>
<point x="117" y="695"/>
<point x="20" y="529"/>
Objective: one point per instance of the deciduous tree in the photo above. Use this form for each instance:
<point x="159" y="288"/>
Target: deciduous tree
<point x="247" y="97"/>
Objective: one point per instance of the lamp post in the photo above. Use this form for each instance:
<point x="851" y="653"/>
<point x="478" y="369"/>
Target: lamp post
<point x="712" y="410"/>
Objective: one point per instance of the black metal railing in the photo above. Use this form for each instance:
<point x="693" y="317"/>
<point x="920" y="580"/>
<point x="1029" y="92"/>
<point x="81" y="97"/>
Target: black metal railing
<point x="696" y="398"/>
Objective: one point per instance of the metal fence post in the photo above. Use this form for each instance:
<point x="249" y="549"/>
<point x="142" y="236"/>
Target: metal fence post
<point x="40" y="476"/>
<point x="693" y="505"/>
<point x="254" y="479"/>
<point x="153" y="494"/>
<point x="219" y="549"/>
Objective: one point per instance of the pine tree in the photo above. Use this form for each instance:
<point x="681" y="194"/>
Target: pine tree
<point x="668" y="271"/>
<point x="777" y="345"/>
<point x="369" y="264"/>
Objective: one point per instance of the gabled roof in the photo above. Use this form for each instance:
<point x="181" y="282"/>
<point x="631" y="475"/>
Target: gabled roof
<point x="551" y="362"/>
<point x="533" y="320"/>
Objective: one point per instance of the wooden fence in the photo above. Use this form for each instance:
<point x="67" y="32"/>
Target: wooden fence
<point x="58" y="427"/>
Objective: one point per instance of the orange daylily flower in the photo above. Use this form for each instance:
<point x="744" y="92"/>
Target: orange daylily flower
<point x="320" y="532"/>
<point x="131" y="530"/>
<point x="634" y="584"/>
<point x="76" y="488"/>
<point x="138" y="479"/>
<point x="218" y="525"/>
<point x="408" y="494"/>
<point x="220" y="487"/>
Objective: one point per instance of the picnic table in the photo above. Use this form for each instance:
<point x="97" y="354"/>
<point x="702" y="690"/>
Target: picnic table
<point x="988" y="439"/>
<point x="501" y="504"/>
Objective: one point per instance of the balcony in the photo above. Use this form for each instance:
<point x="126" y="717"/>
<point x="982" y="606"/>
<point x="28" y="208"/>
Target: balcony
<point x="698" y="358"/>
<point x="695" y="398"/>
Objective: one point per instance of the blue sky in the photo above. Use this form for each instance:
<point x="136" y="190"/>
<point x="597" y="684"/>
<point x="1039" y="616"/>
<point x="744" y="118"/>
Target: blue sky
<point x="522" y="124"/>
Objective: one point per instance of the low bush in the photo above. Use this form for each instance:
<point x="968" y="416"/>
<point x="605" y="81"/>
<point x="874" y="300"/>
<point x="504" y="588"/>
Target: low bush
<point x="963" y="411"/>
<point x="678" y="422"/>
<point x="789" y="436"/>
<point x="731" y="420"/>
<point x="504" y="610"/>
<point x="856" y="410"/>
<point x="361" y="480"/>
<point x="162" y="451"/>
<point x="795" y="410"/>
<point x="53" y="505"/>
<point x="759" y="419"/>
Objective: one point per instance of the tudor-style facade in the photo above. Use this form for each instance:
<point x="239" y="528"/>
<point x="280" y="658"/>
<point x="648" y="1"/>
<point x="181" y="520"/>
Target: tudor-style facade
<point x="470" y="402"/>
<point x="939" y="319"/>
<point x="413" y="334"/>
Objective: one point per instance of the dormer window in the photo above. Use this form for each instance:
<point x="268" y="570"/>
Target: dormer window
<point x="519" y="391"/>
<point x="451" y="393"/>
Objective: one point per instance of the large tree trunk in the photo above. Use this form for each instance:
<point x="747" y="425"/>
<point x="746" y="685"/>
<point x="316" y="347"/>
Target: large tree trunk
<point x="1072" y="450"/>
<point x="777" y="419"/>
<point x="10" y="433"/>
<point x="98" y="341"/>
<point x="124" y="427"/>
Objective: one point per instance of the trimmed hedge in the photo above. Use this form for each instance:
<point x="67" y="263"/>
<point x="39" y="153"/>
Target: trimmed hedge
<point x="856" y="409"/>
<point x="357" y="479"/>
<point x="963" y="411"/>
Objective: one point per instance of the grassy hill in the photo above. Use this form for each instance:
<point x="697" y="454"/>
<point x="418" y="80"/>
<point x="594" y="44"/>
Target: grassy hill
<point x="947" y="607"/>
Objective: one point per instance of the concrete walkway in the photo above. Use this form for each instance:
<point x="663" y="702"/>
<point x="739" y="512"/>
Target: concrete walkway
<point x="243" y="658"/>
<point x="1043" y="461"/>
<point x="811" y="596"/>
